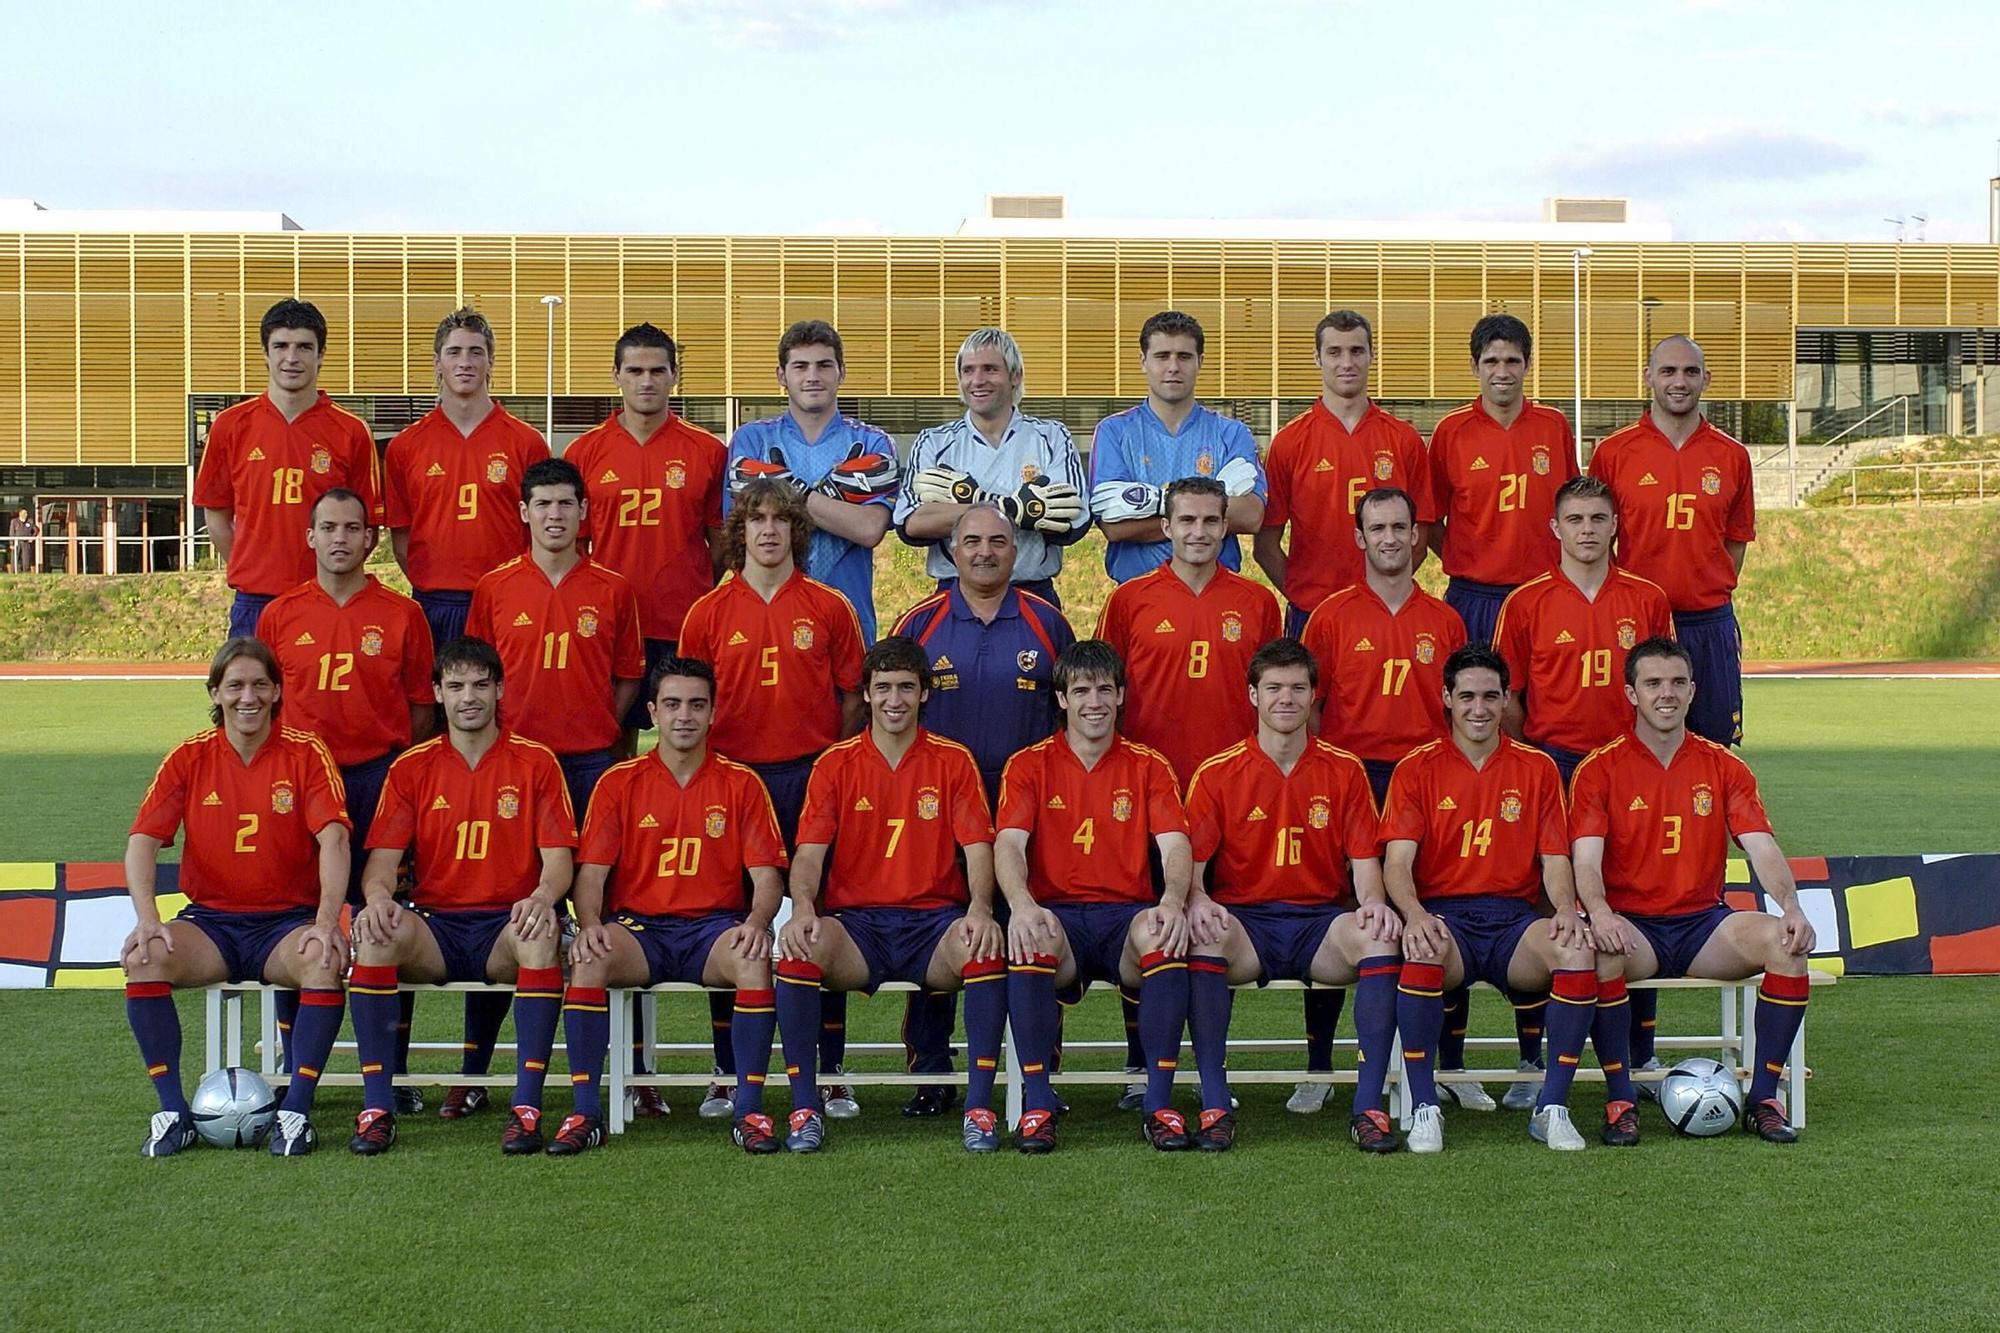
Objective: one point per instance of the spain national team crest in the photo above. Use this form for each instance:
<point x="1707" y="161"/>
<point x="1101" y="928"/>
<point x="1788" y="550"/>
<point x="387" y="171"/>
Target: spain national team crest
<point x="1026" y="659"/>
<point x="371" y="641"/>
<point x="1232" y="627"/>
<point x="1510" y="807"/>
<point x="1711" y="481"/>
<point x="1541" y="462"/>
<point x="282" y="798"/>
<point x="1204" y="464"/>
<point x="928" y="803"/>
<point x="716" y="822"/>
<point x="1628" y="634"/>
<point x="1121" y="805"/>
<point x="509" y="804"/>
<point x="1319" y="813"/>
<point x="1029" y="471"/>
<point x="677" y="476"/>
<point x="496" y="469"/>
<point x="322" y="461"/>
<point x="802" y="635"/>
<point x="1704" y="800"/>
<point x="586" y="623"/>
<point x="1427" y="649"/>
<point x="1385" y="467"/>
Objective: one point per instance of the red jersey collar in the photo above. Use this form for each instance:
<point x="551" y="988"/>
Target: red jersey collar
<point x="1527" y="406"/>
<point x="370" y="586"/>
<point x="617" y="422"/>
<point x="1646" y="423"/>
<point x="220" y="738"/>
<point x="701" y="769"/>
<point x="322" y="401"/>
<point x="1319" y="406"/>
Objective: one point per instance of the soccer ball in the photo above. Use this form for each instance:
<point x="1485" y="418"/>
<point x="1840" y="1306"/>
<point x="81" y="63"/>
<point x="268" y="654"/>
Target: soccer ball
<point x="234" y="1108"/>
<point x="1701" y="1098"/>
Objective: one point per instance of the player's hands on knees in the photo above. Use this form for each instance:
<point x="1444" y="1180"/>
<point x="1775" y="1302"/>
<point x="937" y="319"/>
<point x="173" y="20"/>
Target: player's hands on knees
<point x="1379" y="922"/>
<point x="1424" y="938"/>
<point x="981" y="935"/>
<point x="1612" y="932"/>
<point x="1031" y="932"/>
<point x="1796" y="933"/>
<point x="331" y="942"/>
<point x="138" y="950"/>
<point x="532" y="919"/>
<point x="591" y="944"/>
<point x="1169" y="926"/>
<point x="1208" y="922"/>
<point x="749" y="942"/>
<point x="799" y="940"/>
<point x="378" y="922"/>
<point x="1567" y="930"/>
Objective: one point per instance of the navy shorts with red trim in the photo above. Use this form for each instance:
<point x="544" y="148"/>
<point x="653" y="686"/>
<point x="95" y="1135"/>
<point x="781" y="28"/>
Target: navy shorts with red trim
<point x="897" y="942"/>
<point x="677" y="947"/>
<point x="1487" y="928"/>
<point x="465" y="939"/>
<point x="1097" y="934"/>
<point x="1677" y="939"/>
<point x="1285" y="935"/>
<point x="245" y="940"/>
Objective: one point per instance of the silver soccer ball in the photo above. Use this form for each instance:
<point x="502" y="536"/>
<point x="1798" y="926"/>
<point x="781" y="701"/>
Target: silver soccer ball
<point x="234" y="1108"/>
<point x="1701" y="1097"/>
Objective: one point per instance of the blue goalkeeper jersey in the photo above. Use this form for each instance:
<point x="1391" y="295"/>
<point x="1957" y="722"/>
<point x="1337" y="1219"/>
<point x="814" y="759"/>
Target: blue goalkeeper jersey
<point x="833" y="560"/>
<point x="1136" y="445"/>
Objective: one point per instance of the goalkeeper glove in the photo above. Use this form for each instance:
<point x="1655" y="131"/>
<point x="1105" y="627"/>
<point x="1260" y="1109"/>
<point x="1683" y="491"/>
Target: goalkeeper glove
<point x="860" y="477"/>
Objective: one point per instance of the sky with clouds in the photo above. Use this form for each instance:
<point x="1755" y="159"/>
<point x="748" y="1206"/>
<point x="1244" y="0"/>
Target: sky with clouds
<point x="1729" y="119"/>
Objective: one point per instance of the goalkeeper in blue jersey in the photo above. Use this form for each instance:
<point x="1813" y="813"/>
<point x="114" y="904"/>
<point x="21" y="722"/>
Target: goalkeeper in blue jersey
<point x="1140" y="451"/>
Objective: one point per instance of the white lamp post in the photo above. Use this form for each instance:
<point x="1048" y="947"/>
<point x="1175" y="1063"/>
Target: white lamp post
<point x="552" y="302"/>
<point x="1576" y="258"/>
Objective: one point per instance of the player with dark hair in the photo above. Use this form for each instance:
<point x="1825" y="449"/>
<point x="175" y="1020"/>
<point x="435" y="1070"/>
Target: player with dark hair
<point x="659" y="897"/>
<point x="1287" y="885"/>
<point x="1473" y="837"/>
<point x="1027" y="467"/>
<point x="1079" y="814"/>
<point x="786" y="650"/>
<point x="266" y="460"/>
<point x="888" y="815"/>
<point x="654" y="481"/>
<point x="453" y="475"/>
<point x="1687" y="513"/>
<point x="1322" y="463"/>
<point x="845" y="467"/>
<point x="264" y="869"/>
<point x="1651" y="817"/>
<point x="488" y="815"/>
<point x="1134" y="454"/>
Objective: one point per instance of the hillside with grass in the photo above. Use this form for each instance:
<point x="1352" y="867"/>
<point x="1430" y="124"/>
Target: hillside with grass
<point x="1956" y="470"/>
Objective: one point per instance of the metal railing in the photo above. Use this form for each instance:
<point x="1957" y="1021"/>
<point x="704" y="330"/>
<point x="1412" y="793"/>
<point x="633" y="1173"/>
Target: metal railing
<point x="1951" y="481"/>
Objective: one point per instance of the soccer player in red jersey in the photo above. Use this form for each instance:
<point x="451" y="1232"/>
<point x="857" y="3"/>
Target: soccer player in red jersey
<point x="489" y="817"/>
<point x="655" y="482"/>
<point x="264" y="868"/>
<point x="1186" y="632"/>
<point x="1078" y="814"/>
<point x="659" y="897"/>
<point x="1473" y="835"/>
<point x="1382" y="643"/>
<point x="1287" y="884"/>
<point x="453" y="476"/>
<point x="1495" y="465"/>
<point x="1651" y="816"/>
<point x="1687" y="513"/>
<point x="1322" y="463"/>
<point x="888" y="816"/>
<point x="267" y="460"/>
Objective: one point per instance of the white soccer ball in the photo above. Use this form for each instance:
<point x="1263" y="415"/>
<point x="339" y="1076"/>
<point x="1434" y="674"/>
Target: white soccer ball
<point x="1701" y="1098"/>
<point x="234" y="1108"/>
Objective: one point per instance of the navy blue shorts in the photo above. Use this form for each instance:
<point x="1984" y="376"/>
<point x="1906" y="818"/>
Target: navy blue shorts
<point x="1487" y="928"/>
<point x="245" y="610"/>
<point x="636" y="717"/>
<point x="447" y="611"/>
<point x="1295" y="626"/>
<point x="1715" y="642"/>
<point x="1379" y="772"/>
<point x="364" y="792"/>
<point x="580" y="775"/>
<point x="897" y="942"/>
<point x="677" y="947"/>
<point x="1285" y="936"/>
<point x="465" y="939"/>
<point x="1097" y="934"/>
<point x="245" y="940"/>
<point x="1566" y="760"/>
<point x="1478" y="605"/>
<point x="786" y="782"/>
<point x="1677" y="939"/>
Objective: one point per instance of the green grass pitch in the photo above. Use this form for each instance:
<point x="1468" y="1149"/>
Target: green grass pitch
<point x="1881" y="1216"/>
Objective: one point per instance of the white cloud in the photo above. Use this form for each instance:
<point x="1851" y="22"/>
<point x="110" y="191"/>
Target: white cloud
<point x="1929" y="117"/>
<point x="1696" y="161"/>
<point x="790" y="24"/>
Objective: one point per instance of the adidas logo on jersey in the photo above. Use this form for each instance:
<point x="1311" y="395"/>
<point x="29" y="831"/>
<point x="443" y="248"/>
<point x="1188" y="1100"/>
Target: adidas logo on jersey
<point x="863" y="806"/>
<point x="1322" y="466"/>
<point x="440" y="803"/>
<point x="943" y="663"/>
<point x="434" y="470"/>
<point x="522" y="619"/>
<point x="304" y="640"/>
<point x="1365" y="646"/>
<point x="737" y="638"/>
<point x="1565" y="637"/>
<point x="1257" y="812"/>
<point x="1479" y="464"/>
<point x="648" y="821"/>
<point x="1164" y="627"/>
<point x="609" y="478"/>
<point x="1447" y="804"/>
<point x="256" y="456"/>
<point x="211" y="799"/>
<point x="1638" y="803"/>
<point x="1649" y="480"/>
<point x="1056" y="803"/>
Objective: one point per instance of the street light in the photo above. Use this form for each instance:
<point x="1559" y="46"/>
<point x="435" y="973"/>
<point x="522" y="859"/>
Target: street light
<point x="552" y="302"/>
<point x="1576" y="258"/>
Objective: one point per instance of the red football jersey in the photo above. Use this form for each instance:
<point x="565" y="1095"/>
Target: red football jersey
<point x="562" y="646"/>
<point x="268" y="472"/>
<point x="1676" y="508"/>
<point x="895" y="831"/>
<point x="1381" y="673"/>
<point x="252" y="829"/>
<point x="479" y="832"/>
<point x="1497" y="487"/>
<point x="1187" y="658"/>
<point x="1269" y="837"/>
<point x="651" y="506"/>
<point x="1318" y="472"/>
<point x="351" y="672"/>
<point x="1090" y="829"/>
<point x="788" y="658"/>
<point x="679" y="851"/>
<point x="1666" y="828"/>
<point x="1569" y="652"/>
<point x="460" y="495"/>
<point x="1477" y="830"/>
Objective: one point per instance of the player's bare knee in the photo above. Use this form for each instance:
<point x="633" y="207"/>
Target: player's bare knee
<point x="749" y="973"/>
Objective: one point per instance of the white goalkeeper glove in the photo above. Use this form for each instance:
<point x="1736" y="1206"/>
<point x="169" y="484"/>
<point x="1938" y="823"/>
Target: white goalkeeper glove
<point x="1238" y="476"/>
<point x="1118" y="501"/>
<point x="946" y="485"/>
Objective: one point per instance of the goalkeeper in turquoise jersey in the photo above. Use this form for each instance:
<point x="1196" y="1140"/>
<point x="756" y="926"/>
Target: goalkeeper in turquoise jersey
<point x="1025" y="466"/>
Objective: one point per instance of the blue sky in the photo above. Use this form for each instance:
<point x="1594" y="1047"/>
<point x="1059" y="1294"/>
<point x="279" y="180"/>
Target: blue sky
<point x="1730" y="119"/>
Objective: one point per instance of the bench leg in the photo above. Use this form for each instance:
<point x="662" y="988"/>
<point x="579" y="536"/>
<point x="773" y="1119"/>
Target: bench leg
<point x="1011" y="1062"/>
<point x="232" y="1027"/>
<point x="211" y="1001"/>
<point x="649" y="1030"/>
<point x="1747" y="995"/>
<point x="267" y="1028"/>
<point x="1795" y="1077"/>
<point x="617" y="1058"/>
